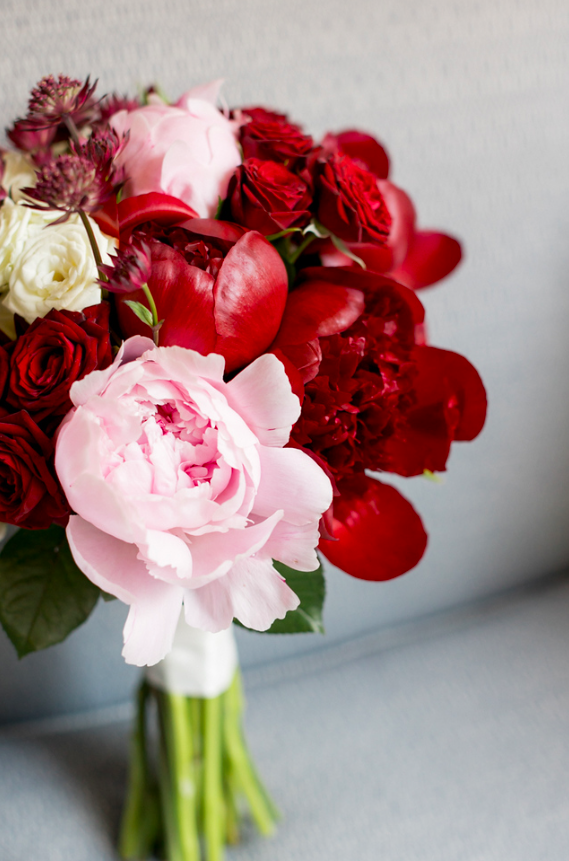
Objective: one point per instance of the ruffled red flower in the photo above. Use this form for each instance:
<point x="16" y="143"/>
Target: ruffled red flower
<point x="349" y="202"/>
<point x="267" y="197"/>
<point x="270" y="136"/>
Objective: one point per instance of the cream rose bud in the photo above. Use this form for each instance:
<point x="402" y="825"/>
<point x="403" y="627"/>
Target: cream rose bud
<point x="50" y="266"/>
<point x="19" y="172"/>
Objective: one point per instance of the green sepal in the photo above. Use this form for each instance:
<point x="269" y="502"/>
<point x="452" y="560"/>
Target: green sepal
<point x="43" y="594"/>
<point x="141" y="311"/>
<point x="310" y="587"/>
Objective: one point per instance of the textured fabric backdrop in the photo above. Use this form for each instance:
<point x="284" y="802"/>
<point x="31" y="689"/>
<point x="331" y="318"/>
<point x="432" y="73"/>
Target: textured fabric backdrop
<point x="471" y="100"/>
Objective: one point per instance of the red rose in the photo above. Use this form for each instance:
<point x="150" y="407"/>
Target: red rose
<point x="270" y="136"/>
<point x="52" y="353"/>
<point x="218" y="288"/>
<point x="267" y="197"/>
<point x="30" y="495"/>
<point x="363" y="148"/>
<point x="350" y="203"/>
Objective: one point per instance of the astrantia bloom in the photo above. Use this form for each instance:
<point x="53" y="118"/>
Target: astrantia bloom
<point x="184" y="493"/>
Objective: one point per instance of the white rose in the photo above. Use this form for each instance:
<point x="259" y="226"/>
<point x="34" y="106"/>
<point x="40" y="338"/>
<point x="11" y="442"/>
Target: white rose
<point x="18" y="224"/>
<point x="19" y="172"/>
<point x="51" y="266"/>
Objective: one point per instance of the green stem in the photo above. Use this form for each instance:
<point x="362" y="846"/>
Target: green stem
<point x="213" y="810"/>
<point x="72" y="129"/>
<point x="302" y="247"/>
<point x="153" y="311"/>
<point x="140" y="821"/>
<point x="178" y="779"/>
<point x="92" y="241"/>
<point x="242" y="770"/>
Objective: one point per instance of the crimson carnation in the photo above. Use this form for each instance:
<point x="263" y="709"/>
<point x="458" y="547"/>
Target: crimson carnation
<point x="271" y="137"/>
<point x="350" y="203"/>
<point x="267" y="197"/>
<point x="54" y="352"/>
<point x="363" y="387"/>
<point x="30" y="494"/>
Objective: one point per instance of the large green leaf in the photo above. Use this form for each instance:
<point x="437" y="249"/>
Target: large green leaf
<point x="43" y="594"/>
<point x="310" y="587"/>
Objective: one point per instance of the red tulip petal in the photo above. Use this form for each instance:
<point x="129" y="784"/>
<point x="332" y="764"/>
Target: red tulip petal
<point x="366" y="149"/>
<point x="154" y="206"/>
<point x="184" y="300"/>
<point x="432" y="256"/>
<point x="250" y="296"/>
<point x="379" y="534"/>
<point x="317" y="309"/>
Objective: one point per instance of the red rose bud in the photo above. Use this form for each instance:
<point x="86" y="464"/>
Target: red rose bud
<point x="267" y="197"/>
<point x="350" y="204"/>
<point x="130" y="269"/>
<point x="271" y="137"/>
<point x="54" y="352"/>
<point x="30" y="494"/>
<point x="220" y="289"/>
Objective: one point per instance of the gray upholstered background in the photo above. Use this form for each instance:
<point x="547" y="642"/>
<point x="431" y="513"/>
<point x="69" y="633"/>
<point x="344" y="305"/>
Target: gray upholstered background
<point x="472" y="102"/>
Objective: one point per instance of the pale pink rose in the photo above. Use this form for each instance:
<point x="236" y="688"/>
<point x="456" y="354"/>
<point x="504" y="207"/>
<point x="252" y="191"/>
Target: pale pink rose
<point x="188" y="150"/>
<point x="184" y="493"/>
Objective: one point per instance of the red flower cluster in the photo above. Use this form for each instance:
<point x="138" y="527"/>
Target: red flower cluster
<point x="276" y="272"/>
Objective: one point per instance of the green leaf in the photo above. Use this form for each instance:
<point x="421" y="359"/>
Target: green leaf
<point x="141" y="312"/>
<point x="43" y="594"/>
<point x="310" y="587"/>
<point x="219" y="209"/>
<point x="343" y="248"/>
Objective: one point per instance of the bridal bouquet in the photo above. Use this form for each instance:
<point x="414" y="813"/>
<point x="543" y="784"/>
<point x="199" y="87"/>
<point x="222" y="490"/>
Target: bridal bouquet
<point x="210" y="339"/>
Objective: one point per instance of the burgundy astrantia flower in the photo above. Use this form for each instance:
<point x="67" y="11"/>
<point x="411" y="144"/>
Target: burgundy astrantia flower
<point x="270" y="136"/>
<point x="34" y="141"/>
<point x="52" y="353"/>
<point x="111" y="105"/>
<point x="267" y="197"/>
<point x="130" y="269"/>
<point x="55" y="99"/>
<point x="350" y="203"/>
<point x="83" y="180"/>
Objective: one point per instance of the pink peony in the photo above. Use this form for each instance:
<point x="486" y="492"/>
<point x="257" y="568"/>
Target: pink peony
<point x="184" y="493"/>
<point x="188" y="150"/>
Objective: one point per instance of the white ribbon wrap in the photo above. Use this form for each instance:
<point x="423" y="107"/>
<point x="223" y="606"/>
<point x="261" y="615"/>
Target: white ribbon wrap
<point x="200" y="664"/>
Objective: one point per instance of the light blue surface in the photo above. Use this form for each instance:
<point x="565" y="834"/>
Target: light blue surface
<point x="472" y="101"/>
<point x="445" y="741"/>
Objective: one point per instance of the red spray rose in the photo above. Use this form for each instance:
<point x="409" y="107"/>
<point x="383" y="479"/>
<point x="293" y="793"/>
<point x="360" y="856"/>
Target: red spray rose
<point x="270" y="136"/>
<point x="350" y="203"/>
<point x="267" y="197"/>
<point x="30" y="494"/>
<point x="53" y="352"/>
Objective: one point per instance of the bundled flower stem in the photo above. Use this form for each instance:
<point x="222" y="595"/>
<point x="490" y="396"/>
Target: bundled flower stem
<point x="184" y="799"/>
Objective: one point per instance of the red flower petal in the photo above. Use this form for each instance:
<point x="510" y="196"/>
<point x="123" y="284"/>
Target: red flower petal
<point x="250" y="296"/>
<point x="363" y="148"/>
<point x="184" y="300"/>
<point x="431" y="257"/>
<point x="379" y="534"/>
<point x="154" y="206"/>
<point x="469" y="390"/>
<point x="107" y="217"/>
<point x="318" y="308"/>
<point x="294" y="376"/>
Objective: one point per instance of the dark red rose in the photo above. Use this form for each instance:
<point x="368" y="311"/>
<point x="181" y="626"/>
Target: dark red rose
<point x="350" y="203"/>
<point x="267" y="197"/>
<point x="54" y="352"/>
<point x="271" y="137"/>
<point x="363" y="148"/>
<point x="218" y="287"/>
<point x="378" y="534"/>
<point x="30" y="495"/>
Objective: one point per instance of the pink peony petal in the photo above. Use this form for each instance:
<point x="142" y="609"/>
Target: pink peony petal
<point x="283" y="472"/>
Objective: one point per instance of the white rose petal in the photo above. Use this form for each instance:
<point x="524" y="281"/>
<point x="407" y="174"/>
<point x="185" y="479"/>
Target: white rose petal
<point x="49" y="266"/>
<point x="19" y="172"/>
